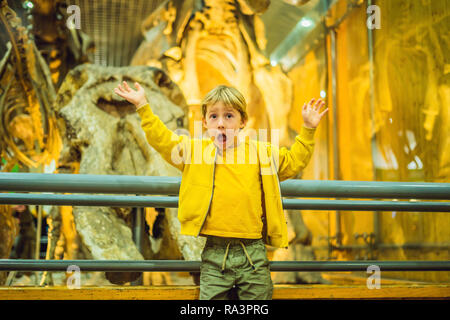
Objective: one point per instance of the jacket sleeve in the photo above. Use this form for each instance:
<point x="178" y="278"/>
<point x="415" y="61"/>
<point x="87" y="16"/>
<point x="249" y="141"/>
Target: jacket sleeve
<point x="290" y="162"/>
<point x="168" y="144"/>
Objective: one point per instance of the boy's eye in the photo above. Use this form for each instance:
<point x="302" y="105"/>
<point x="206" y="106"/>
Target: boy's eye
<point x="229" y="115"/>
<point x="212" y="116"/>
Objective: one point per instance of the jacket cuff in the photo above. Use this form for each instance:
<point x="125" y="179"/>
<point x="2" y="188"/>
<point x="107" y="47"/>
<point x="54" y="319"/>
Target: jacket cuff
<point x="307" y="134"/>
<point x="142" y="110"/>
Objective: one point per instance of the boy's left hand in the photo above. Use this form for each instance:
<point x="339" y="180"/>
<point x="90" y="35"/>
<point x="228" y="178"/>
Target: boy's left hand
<point x="311" y="113"/>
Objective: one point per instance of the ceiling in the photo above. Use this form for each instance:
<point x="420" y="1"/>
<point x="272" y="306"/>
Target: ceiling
<point x="281" y="18"/>
<point x="115" y="25"/>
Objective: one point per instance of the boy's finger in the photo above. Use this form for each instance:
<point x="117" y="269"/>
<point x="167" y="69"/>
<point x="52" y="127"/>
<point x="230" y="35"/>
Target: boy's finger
<point x="119" y="87"/>
<point x="117" y="91"/>
<point x="323" y="112"/>
<point x="137" y="85"/>
<point x="317" y="104"/>
<point x="320" y="105"/>
<point x="127" y="88"/>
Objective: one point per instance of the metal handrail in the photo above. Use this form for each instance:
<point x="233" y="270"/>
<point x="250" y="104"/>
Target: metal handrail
<point x="157" y="185"/>
<point x="194" y="266"/>
<point x="132" y="185"/>
<point x="172" y="202"/>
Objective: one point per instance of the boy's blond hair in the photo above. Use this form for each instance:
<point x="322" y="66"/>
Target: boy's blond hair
<point x="229" y="96"/>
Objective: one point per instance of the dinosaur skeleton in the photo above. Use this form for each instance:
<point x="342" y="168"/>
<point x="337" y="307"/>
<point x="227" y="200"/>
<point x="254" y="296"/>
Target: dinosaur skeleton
<point x="28" y="130"/>
<point x="63" y="48"/>
<point x="28" y="133"/>
<point x="35" y="63"/>
<point x="205" y="43"/>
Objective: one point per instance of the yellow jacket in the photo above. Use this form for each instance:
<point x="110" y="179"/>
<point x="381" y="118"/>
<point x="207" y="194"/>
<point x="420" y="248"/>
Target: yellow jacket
<point x="195" y="158"/>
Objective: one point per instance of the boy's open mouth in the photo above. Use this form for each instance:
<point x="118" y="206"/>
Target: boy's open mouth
<point x="221" y="138"/>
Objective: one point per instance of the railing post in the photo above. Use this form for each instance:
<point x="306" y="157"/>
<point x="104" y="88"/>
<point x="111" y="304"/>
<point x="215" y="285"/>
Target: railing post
<point x="137" y="235"/>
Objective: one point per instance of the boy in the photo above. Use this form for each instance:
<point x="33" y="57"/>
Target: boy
<point x="227" y="195"/>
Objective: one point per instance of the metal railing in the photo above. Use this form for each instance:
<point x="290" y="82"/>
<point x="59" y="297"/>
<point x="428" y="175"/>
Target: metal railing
<point x="164" y="191"/>
<point x="194" y="266"/>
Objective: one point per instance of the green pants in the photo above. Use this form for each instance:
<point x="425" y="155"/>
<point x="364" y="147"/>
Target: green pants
<point x="235" y="268"/>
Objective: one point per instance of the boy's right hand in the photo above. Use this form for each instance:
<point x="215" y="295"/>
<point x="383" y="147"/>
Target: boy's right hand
<point x="135" y="97"/>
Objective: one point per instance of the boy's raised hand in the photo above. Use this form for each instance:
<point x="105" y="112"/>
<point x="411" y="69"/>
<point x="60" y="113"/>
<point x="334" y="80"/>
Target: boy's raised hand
<point x="311" y="113"/>
<point x="136" y="97"/>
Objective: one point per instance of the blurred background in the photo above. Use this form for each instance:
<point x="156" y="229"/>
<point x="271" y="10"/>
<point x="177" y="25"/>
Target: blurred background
<point x="383" y="67"/>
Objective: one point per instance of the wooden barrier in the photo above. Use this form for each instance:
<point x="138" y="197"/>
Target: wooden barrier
<point x="412" y="291"/>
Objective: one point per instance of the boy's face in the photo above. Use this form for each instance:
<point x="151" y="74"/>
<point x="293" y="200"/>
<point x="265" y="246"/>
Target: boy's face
<point x="223" y="124"/>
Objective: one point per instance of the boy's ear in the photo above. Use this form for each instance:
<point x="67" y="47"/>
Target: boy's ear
<point x="243" y="123"/>
<point x="204" y="122"/>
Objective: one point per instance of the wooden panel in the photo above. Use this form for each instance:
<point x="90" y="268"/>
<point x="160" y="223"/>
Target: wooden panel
<point x="362" y="292"/>
<point x="100" y="293"/>
<point x="192" y="292"/>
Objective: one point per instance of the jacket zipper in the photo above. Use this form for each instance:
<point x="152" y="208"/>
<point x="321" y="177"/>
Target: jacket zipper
<point x="279" y="186"/>
<point x="278" y="180"/>
<point x="212" y="192"/>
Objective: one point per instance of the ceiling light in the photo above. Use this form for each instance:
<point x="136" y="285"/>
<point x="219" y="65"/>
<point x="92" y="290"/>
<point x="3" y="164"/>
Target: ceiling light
<point x="306" y="22"/>
<point x="28" y="4"/>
